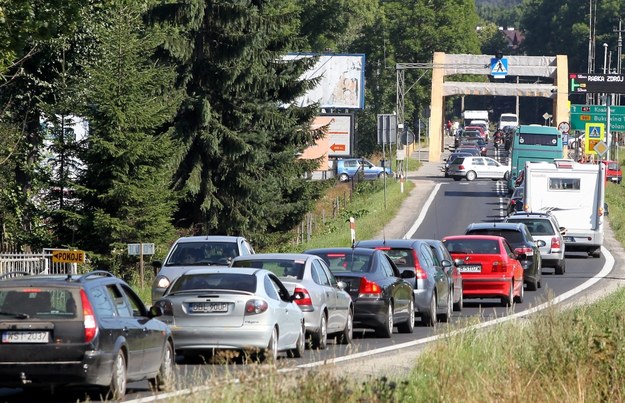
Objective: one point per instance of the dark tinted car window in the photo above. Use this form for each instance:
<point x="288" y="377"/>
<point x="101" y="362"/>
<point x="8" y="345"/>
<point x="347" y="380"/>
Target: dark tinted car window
<point x="458" y="161"/>
<point x="202" y="253"/>
<point x="401" y="257"/>
<point x="215" y="281"/>
<point x="537" y="226"/>
<point x="101" y="302"/>
<point x="279" y="267"/>
<point x="478" y="246"/>
<point x="319" y="276"/>
<point x="353" y="262"/>
<point x="38" y="302"/>
<point x="123" y="308"/>
<point x="512" y="236"/>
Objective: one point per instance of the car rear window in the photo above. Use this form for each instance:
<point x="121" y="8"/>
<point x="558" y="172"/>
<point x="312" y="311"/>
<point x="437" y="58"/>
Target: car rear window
<point x="215" y="281"/>
<point x="513" y="237"/>
<point x="342" y="262"/>
<point x="37" y="302"/>
<point x="402" y="257"/>
<point x="477" y="246"/>
<point x="613" y="166"/>
<point x="280" y="267"/>
<point x="537" y="226"/>
<point x="458" y="161"/>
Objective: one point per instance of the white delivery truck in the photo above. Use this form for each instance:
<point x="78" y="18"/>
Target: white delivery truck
<point x="508" y="119"/>
<point x="575" y="194"/>
<point x="468" y="116"/>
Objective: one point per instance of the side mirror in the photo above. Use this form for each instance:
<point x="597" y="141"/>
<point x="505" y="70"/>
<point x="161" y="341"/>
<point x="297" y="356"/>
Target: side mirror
<point x="155" y="311"/>
<point x="408" y="274"/>
<point x="458" y="262"/>
<point x="447" y="265"/>
<point x="341" y="285"/>
<point x="541" y="243"/>
<point x="562" y="231"/>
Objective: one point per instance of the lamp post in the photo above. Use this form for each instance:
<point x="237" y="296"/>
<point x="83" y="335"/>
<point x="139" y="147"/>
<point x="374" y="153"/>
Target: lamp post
<point x="605" y="58"/>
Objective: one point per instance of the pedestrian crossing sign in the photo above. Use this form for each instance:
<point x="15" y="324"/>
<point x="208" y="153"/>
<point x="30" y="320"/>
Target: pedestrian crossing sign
<point x="595" y="133"/>
<point x="499" y="67"/>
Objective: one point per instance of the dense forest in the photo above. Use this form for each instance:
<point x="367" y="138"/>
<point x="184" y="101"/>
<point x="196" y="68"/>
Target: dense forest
<point x="193" y="124"/>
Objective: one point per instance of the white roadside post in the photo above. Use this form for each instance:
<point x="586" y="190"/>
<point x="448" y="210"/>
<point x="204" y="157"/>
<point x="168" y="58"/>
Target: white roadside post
<point x="352" y="229"/>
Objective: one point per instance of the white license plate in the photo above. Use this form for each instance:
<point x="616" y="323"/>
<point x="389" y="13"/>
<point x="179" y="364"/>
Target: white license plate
<point x="569" y="239"/>
<point x="204" y="307"/>
<point x="474" y="268"/>
<point x="25" y="337"/>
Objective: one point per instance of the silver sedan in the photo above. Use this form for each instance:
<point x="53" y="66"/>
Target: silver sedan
<point x="228" y="308"/>
<point x="327" y="307"/>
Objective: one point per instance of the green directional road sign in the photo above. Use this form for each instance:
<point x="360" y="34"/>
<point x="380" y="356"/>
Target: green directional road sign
<point x="582" y="114"/>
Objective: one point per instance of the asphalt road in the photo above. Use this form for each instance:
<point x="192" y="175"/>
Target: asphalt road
<point x="455" y="205"/>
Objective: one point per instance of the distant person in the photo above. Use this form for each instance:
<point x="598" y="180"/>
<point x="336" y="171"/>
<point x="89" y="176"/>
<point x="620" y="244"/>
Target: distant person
<point x="449" y="124"/>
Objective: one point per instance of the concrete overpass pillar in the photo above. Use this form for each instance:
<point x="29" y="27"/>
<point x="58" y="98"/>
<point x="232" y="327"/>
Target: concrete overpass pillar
<point x="561" y="102"/>
<point x="436" y="111"/>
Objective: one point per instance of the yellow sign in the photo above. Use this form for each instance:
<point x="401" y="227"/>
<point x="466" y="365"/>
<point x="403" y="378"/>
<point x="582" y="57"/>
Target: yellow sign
<point x="68" y="256"/>
<point x="595" y="132"/>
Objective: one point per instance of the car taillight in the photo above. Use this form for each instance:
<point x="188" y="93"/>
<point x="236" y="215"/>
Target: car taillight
<point x="369" y="289"/>
<point x="420" y="274"/>
<point x="302" y="298"/>
<point x="555" y="244"/>
<point x="255" y="306"/>
<point x="525" y="250"/>
<point x="499" y="266"/>
<point x="91" y="328"/>
<point x="460" y="166"/>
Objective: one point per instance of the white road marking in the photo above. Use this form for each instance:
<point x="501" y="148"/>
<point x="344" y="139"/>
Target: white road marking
<point x="424" y="211"/>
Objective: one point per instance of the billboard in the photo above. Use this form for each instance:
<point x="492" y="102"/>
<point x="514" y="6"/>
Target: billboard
<point x="582" y="83"/>
<point x="341" y="84"/>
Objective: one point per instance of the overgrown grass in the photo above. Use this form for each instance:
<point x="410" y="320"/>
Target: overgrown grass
<point x="615" y="197"/>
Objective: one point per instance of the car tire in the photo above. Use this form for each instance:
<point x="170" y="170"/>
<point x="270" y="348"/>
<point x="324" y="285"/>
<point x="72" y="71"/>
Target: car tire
<point x="300" y="345"/>
<point x="560" y="267"/>
<point x="346" y="336"/>
<point x="471" y="175"/>
<point x="459" y="306"/>
<point x="519" y="299"/>
<point x="428" y="318"/>
<point x="386" y="330"/>
<point x="532" y="285"/>
<point x="507" y="301"/>
<point x="164" y="380"/>
<point x="269" y="355"/>
<point x="408" y="325"/>
<point x="595" y="253"/>
<point x="320" y="338"/>
<point x="117" y="389"/>
<point x="446" y="317"/>
<point x="343" y="177"/>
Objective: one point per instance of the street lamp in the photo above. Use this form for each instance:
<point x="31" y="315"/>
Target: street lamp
<point x="605" y="58"/>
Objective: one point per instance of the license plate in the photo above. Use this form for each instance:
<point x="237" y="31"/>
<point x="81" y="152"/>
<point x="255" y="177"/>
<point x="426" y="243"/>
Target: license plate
<point x="474" y="268"/>
<point x="204" y="307"/>
<point x="25" y="337"/>
<point x="569" y="239"/>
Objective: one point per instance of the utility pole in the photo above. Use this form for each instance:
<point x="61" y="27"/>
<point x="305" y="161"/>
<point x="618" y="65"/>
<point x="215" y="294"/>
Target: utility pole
<point x="619" y="53"/>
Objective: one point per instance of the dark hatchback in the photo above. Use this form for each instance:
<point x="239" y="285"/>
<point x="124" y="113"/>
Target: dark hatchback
<point x="382" y="296"/>
<point x="523" y="244"/>
<point x="80" y="330"/>
<point x="432" y="283"/>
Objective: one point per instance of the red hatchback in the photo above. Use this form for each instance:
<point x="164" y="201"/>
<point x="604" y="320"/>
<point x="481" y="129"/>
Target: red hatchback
<point x="489" y="267"/>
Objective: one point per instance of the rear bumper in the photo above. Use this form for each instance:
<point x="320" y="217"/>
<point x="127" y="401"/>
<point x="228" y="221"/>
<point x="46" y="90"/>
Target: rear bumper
<point x="486" y="287"/>
<point x="579" y="241"/>
<point x="94" y="369"/>
<point x="217" y="337"/>
<point x="369" y="313"/>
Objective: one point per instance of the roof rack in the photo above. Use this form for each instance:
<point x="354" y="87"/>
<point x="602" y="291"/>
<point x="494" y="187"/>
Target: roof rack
<point x="101" y="273"/>
<point x="12" y="274"/>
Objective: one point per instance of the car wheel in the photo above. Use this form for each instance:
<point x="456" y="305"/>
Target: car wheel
<point x="446" y="317"/>
<point x="471" y="175"/>
<point x="561" y="266"/>
<point x="320" y="338"/>
<point x="429" y="318"/>
<point x="164" y="380"/>
<point x="347" y="334"/>
<point x="595" y="253"/>
<point x="519" y="299"/>
<point x="457" y="179"/>
<point x="532" y="286"/>
<point x="343" y="177"/>
<point x="507" y="301"/>
<point x="270" y="354"/>
<point x="386" y="330"/>
<point x="117" y="389"/>
<point x="458" y="306"/>
<point x="300" y="346"/>
<point x="408" y="326"/>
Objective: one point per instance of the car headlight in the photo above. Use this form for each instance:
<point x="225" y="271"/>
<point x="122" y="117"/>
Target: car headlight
<point x="162" y="282"/>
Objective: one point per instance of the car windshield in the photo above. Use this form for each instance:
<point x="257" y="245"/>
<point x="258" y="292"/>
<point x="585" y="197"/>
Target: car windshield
<point x="613" y="166"/>
<point x="513" y="237"/>
<point x="537" y="226"/>
<point x="342" y="262"/>
<point x="37" y="302"/>
<point x="282" y="268"/>
<point x="202" y="254"/>
<point x="473" y="246"/>
<point x="215" y="281"/>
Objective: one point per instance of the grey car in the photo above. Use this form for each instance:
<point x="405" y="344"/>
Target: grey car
<point x="453" y="274"/>
<point x="232" y="308"/>
<point x="327" y="307"/>
<point x="431" y="283"/>
<point x="196" y="251"/>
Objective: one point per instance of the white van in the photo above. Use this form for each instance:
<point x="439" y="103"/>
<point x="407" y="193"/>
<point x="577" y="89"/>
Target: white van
<point x="508" y="119"/>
